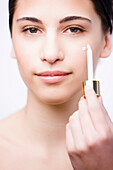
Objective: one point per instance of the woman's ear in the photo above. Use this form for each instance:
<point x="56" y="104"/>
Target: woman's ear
<point x="107" y="46"/>
<point x="13" y="54"/>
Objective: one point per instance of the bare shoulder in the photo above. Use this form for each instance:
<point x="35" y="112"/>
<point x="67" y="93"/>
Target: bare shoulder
<point x="9" y="128"/>
<point x="17" y="154"/>
<point x="7" y="125"/>
<point x="10" y="149"/>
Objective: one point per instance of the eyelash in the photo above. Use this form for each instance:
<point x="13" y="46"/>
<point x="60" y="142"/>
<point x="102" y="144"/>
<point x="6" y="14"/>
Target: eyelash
<point x="77" y="30"/>
<point x="29" y="29"/>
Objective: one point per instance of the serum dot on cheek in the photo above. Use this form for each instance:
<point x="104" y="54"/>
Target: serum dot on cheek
<point x="84" y="48"/>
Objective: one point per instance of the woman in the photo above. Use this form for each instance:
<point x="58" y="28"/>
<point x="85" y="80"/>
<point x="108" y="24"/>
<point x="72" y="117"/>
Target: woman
<point x="53" y="131"/>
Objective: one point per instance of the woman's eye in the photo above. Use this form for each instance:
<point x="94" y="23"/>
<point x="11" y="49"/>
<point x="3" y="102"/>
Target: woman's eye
<point x="32" y="30"/>
<point x="74" y="30"/>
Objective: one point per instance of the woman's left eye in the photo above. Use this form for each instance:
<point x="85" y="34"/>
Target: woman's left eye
<point x="74" y="30"/>
<point x="31" y="30"/>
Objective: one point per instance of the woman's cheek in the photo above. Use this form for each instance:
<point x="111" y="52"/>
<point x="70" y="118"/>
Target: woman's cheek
<point x="24" y="52"/>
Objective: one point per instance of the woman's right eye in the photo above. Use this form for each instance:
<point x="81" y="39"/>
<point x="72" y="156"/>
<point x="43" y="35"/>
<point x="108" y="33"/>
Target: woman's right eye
<point x="32" y="30"/>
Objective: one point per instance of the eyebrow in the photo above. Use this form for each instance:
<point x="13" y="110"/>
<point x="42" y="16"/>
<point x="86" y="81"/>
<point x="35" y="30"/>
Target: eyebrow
<point x="70" y="18"/>
<point x="66" y="19"/>
<point x="32" y="19"/>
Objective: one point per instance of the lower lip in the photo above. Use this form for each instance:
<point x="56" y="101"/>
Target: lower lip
<point x="52" y="79"/>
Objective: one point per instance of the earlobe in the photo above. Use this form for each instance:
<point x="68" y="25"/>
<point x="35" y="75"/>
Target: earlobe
<point x="13" y="54"/>
<point x="107" y="47"/>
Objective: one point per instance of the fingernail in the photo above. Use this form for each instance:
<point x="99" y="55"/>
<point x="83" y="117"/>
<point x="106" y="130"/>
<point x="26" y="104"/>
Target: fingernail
<point x="80" y="102"/>
<point x="100" y="99"/>
<point x="87" y="88"/>
<point x="82" y="98"/>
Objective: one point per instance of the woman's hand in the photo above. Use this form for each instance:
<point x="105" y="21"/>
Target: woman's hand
<point x="89" y="135"/>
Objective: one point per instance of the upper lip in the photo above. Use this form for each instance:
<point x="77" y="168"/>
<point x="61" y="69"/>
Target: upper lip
<point x="53" y="73"/>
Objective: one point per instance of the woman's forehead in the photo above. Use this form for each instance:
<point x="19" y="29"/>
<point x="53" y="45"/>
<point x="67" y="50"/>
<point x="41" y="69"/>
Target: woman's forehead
<point x="50" y="12"/>
<point x="54" y="7"/>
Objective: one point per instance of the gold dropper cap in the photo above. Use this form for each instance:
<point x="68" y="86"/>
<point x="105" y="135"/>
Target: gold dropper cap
<point x="92" y="83"/>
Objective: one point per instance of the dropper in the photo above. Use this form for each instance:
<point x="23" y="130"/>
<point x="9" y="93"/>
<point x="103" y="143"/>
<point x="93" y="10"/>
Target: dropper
<point x="90" y="82"/>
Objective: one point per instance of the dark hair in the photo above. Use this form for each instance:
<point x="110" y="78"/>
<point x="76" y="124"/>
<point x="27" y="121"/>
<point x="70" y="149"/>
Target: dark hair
<point x="12" y="7"/>
<point x="102" y="7"/>
<point x="104" y="10"/>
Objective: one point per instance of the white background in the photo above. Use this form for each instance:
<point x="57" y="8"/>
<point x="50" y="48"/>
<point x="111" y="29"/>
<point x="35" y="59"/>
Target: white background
<point x="13" y="92"/>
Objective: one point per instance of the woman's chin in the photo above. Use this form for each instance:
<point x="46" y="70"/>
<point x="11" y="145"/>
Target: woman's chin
<point x="54" y="99"/>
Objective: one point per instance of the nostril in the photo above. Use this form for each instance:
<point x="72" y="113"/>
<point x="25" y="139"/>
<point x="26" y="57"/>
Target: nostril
<point x="57" y="59"/>
<point x="43" y="59"/>
<point x="52" y="58"/>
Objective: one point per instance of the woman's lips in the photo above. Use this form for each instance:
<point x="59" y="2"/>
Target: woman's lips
<point x="52" y="76"/>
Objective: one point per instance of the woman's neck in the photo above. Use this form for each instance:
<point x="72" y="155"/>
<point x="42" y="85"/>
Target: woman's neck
<point x="46" y="123"/>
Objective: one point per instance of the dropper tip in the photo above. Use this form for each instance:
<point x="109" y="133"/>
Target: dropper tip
<point x="88" y="47"/>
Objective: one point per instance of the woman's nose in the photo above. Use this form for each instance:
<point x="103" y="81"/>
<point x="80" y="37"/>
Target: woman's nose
<point x="51" y="51"/>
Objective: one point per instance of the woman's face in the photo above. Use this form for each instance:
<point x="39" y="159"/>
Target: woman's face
<point x="48" y="35"/>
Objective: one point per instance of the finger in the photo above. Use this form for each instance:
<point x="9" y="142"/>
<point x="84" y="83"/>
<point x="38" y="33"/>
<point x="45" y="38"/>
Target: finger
<point x="77" y="131"/>
<point x="109" y="121"/>
<point x="69" y="139"/>
<point x="86" y="122"/>
<point x="95" y="111"/>
<point x="103" y="108"/>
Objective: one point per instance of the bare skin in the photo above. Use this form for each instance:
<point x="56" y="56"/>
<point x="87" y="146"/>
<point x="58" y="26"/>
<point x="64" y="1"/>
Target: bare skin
<point x="21" y="153"/>
<point x="90" y="135"/>
<point x="36" y="137"/>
